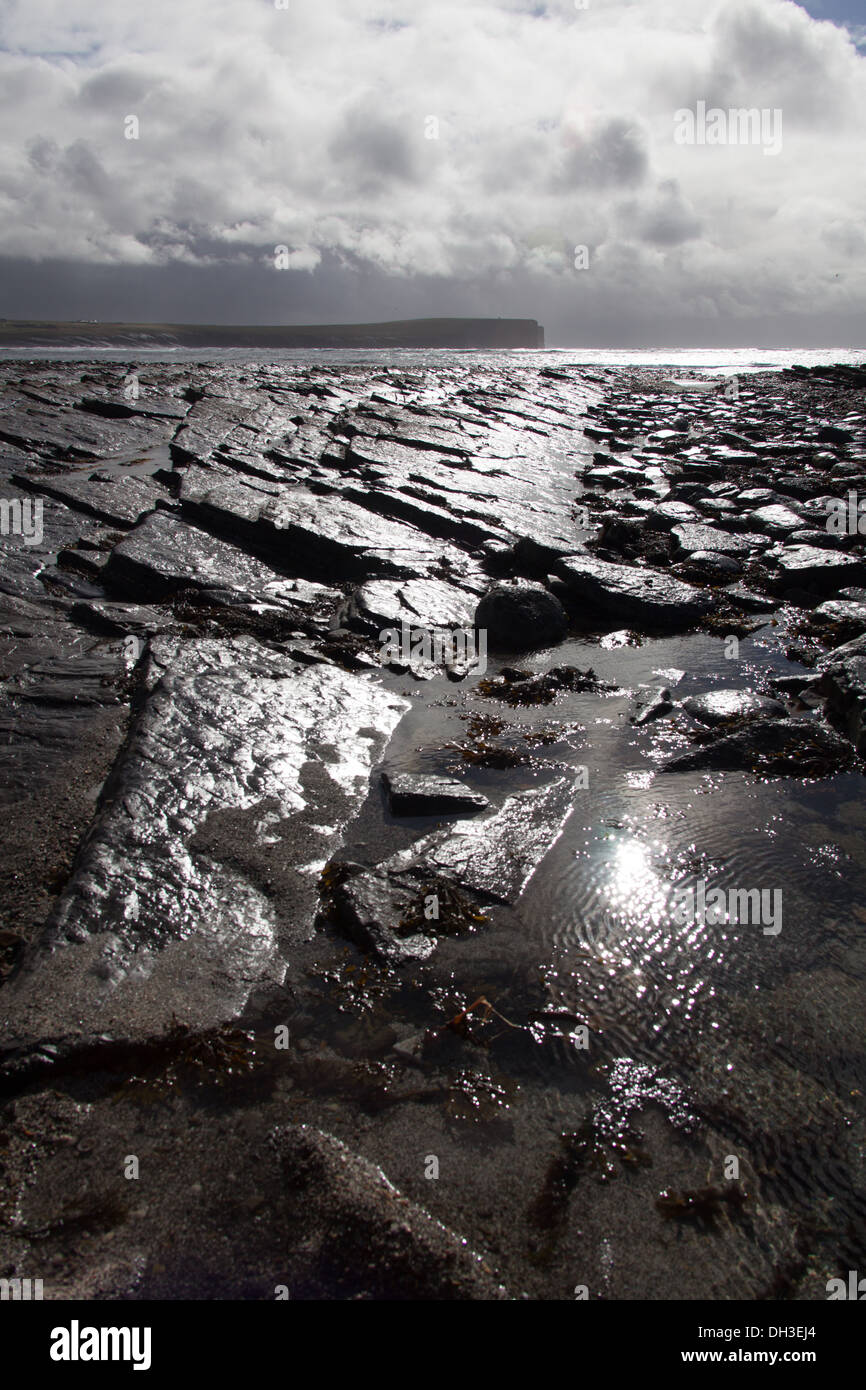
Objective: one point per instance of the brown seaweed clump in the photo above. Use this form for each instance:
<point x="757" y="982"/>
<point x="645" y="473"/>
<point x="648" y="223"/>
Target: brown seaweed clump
<point x="518" y="687"/>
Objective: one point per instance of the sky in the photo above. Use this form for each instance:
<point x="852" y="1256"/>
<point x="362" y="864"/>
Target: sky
<point x="322" y="161"/>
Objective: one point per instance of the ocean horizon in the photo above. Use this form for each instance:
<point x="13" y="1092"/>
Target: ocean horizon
<point x="700" y="359"/>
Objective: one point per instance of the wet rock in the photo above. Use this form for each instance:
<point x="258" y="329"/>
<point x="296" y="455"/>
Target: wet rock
<point x="667" y="515"/>
<point x="708" y="567"/>
<point x="824" y="540"/>
<point x="165" y="555"/>
<point x="423" y="604"/>
<point x="199" y="873"/>
<point x="422" y="508"/>
<point x="324" y="538"/>
<point x="834" y="434"/>
<point x="595" y="591"/>
<point x="691" y="538"/>
<point x="119" y="500"/>
<point x="165" y="408"/>
<point x="65" y="435"/>
<point x="361" y="1238"/>
<point x="621" y="534"/>
<point x="413" y="794"/>
<point x="813" y="569"/>
<point x="497" y="855"/>
<point x="117" y="619"/>
<point x="775" y="520"/>
<point x="516" y="687"/>
<point x="771" y="748"/>
<point x="754" y="497"/>
<point x="207" y="425"/>
<point x="748" y="600"/>
<point x="611" y="476"/>
<point x="844" y="613"/>
<point x="720" y="706"/>
<point x="379" y="910"/>
<point x="650" y="702"/>
<point x="843" y="684"/>
<point x="521" y="616"/>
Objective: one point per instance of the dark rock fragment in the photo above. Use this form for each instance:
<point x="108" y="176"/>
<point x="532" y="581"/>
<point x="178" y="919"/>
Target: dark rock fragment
<point x="521" y="616"/>
<point x="411" y="794"/>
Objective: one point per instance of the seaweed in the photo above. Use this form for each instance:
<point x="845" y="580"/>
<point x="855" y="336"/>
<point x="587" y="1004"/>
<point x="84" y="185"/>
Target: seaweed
<point x="702" y="1206"/>
<point x="517" y="687"/>
<point x="457" y="914"/>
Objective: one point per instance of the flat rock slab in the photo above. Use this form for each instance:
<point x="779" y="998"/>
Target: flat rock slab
<point x="497" y="856"/>
<point x="413" y="794"/>
<point x="200" y="871"/>
<point x="385" y="909"/>
<point x="596" y="590"/>
<point x="651" y="702"/>
<point x="319" y="537"/>
<point x="118" y="619"/>
<point x="165" y="554"/>
<point x="150" y="407"/>
<point x="361" y="1238"/>
<point x="119" y="501"/>
<point x="73" y="434"/>
<point x="416" y="604"/>
<point x="690" y="538"/>
<point x="814" y="568"/>
<point x="207" y="424"/>
<point x="775" y="520"/>
<point x="850" y="613"/>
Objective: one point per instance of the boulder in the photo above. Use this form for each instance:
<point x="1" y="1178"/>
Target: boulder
<point x="709" y="567"/>
<point x="813" y="569"/>
<point x="520" y="615"/>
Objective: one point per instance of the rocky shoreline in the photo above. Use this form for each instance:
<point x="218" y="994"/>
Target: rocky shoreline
<point x="257" y="895"/>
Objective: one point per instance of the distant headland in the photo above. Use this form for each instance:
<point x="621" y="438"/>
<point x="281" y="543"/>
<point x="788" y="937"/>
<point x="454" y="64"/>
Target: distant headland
<point x="402" y="333"/>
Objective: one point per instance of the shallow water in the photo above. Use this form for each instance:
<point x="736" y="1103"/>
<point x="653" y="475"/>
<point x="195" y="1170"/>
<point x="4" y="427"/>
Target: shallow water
<point x="755" y="1032"/>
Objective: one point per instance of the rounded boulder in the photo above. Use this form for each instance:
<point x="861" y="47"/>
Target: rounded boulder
<point x="519" y="616"/>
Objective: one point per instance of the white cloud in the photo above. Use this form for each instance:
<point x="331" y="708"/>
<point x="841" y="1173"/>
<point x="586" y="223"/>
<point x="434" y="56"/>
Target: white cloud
<point x="305" y="127"/>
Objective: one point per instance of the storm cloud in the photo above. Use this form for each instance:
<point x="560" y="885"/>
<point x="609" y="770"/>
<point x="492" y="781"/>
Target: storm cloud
<point x="417" y="155"/>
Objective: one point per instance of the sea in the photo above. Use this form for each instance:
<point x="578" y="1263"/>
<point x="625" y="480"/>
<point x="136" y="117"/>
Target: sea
<point x="712" y="361"/>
